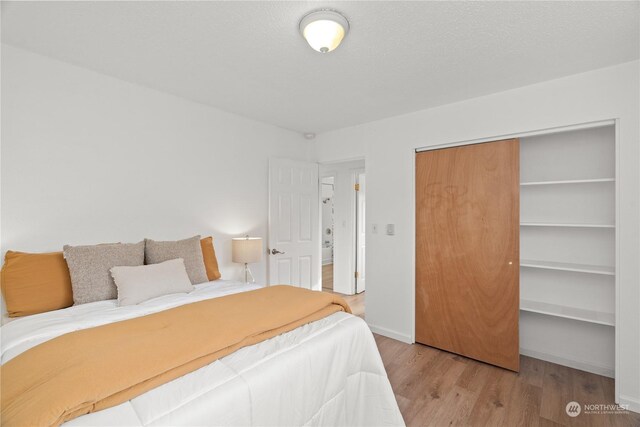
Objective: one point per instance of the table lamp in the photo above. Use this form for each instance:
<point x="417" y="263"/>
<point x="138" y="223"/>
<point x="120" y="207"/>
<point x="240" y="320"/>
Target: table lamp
<point x="246" y="250"/>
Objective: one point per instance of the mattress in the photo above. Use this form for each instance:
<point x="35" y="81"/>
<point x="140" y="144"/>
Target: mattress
<point x="328" y="372"/>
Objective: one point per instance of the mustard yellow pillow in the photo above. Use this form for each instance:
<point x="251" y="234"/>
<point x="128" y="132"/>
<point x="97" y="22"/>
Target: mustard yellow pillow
<point x="209" y="256"/>
<point x="35" y="283"/>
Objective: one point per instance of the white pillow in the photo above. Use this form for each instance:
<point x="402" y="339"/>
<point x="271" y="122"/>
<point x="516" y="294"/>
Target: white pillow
<point x="140" y="283"/>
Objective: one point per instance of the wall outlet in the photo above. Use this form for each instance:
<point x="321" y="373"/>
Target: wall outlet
<point x="391" y="229"/>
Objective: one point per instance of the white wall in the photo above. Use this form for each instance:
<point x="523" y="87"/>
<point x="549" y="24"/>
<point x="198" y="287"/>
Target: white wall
<point x="344" y="222"/>
<point x="87" y="158"/>
<point x="388" y="147"/>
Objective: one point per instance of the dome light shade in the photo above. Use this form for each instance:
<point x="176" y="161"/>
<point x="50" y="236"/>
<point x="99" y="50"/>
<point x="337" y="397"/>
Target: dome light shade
<point x="324" y="29"/>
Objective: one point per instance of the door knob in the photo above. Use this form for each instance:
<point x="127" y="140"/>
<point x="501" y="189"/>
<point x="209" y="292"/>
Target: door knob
<point x="276" y="252"/>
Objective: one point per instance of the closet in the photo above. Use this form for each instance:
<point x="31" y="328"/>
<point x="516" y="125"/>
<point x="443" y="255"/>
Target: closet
<point x="567" y="237"/>
<point x="567" y="248"/>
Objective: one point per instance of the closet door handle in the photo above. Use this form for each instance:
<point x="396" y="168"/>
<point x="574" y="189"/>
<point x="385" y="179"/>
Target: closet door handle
<point x="276" y="252"/>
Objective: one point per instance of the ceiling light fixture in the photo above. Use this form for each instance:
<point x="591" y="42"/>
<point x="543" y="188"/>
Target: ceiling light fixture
<point x="324" y="29"/>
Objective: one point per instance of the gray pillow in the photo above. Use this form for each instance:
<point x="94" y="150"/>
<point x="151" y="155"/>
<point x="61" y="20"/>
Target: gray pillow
<point x="189" y="250"/>
<point x="89" y="268"/>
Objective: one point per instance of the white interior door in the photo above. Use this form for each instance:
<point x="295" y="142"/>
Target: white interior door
<point x="294" y="228"/>
<point x="361" y="229"/>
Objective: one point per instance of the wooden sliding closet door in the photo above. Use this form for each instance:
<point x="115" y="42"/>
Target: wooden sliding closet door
<point x="467" y="251"/>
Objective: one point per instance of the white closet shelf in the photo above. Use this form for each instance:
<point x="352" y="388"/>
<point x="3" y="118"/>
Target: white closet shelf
<point x="567" y="266"/>
<point x="571" y="225"/>
<point x="592" y="316"/>
<point x="570" y="181"/>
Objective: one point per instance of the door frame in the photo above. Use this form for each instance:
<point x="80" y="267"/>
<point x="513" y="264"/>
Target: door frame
<point x="356" y="227"/>
<point x="353" y="226"/>
<point x="330" y="169"/>
<point x="543" y="131"/>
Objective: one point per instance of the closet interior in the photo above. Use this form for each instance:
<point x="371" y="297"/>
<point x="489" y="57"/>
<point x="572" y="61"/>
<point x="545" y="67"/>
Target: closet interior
<point x="567" y="248"/>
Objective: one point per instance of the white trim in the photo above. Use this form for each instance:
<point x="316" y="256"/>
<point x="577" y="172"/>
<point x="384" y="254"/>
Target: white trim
<point x="572" y="363"/>
<point x="634" y="404"/>
<point x="267" y="268"/>
<point x="398" y="336"/>
<point x="413" y="245"/>
<point x="352" y="227"/>
<point x="347" y="160"/>
<point x="617" y="397"/>
<point x="356" y="229"/>
<point x="558" y="129"/>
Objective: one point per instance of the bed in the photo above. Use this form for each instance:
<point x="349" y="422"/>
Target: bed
<point x="327" y="372"/>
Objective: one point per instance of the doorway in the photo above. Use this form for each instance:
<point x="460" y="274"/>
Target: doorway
<point x="343" y="231"/>
<point x="326" y="205"/>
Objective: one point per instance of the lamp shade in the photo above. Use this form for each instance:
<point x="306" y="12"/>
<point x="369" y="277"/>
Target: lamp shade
<point x="246" y="249"/>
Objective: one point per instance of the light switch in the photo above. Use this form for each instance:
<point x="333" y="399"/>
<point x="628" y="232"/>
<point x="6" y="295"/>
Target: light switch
<point x="391" y="229"/>
<point x="374" y="228"/>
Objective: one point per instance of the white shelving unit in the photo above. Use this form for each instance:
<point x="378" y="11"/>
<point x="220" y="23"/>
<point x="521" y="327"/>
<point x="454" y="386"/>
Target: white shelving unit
<point x="568" y="266"/>
<point x="571" y="181"/>
<point x="583" y="315"/>
<point x="542" y="224"/>
<point x="567" y="248"/>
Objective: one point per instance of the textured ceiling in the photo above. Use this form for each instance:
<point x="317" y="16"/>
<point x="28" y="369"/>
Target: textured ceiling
<point x="248" y="57"/>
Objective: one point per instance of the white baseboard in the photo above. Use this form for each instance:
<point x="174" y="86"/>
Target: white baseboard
<point x="390" y="334"/>
<point x="634" y="404"/>
<point x="572" y="363"/>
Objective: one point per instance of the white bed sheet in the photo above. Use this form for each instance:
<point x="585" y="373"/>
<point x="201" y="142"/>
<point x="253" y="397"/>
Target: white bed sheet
<point x="328" y="372"/>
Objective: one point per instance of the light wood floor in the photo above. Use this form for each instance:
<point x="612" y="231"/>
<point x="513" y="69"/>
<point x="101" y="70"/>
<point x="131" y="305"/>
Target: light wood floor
<point x="327" y="277"/>
<point x="356" y="302"/>
<point x="436" y="388"/>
